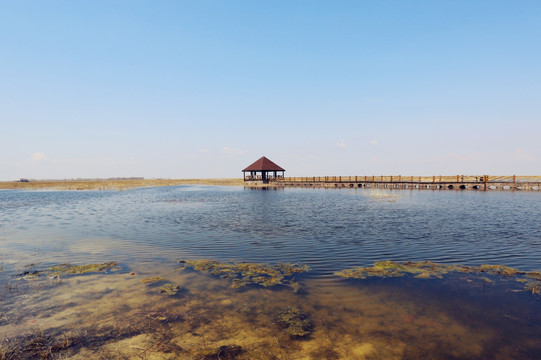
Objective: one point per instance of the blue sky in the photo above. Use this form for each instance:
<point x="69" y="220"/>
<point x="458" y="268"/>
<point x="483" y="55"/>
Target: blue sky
<point x="202" y="89"/>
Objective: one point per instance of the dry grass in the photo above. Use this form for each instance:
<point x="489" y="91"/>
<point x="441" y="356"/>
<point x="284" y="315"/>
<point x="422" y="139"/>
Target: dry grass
<point x="113" y="184"/>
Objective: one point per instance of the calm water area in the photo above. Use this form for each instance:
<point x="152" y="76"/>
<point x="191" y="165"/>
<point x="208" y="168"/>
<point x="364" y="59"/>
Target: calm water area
<point x="119" y="314"/>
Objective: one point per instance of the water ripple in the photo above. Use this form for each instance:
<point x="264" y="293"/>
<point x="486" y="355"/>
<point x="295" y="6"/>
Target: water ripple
<point x="326" y="229"/>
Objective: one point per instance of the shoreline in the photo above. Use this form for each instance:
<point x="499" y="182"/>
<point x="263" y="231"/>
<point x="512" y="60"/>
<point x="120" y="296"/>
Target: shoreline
<point x="335" y="182"/>
<point x="112" y="184"/>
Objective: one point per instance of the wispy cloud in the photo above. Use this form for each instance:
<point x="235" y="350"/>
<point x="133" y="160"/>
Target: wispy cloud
<point x="38" y="156"/>
<point x="230" y="151"/>
<point x="341" y="143"/>
<point x="373" y="142"/>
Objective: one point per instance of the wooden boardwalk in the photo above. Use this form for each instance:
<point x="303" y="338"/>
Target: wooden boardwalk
<point x="456" y="182"/>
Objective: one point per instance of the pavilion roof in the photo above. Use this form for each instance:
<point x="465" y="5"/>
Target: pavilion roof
<point x="263" y="164"/>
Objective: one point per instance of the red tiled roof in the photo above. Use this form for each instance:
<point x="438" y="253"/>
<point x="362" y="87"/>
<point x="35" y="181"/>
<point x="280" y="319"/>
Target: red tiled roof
<point x="263" y="164"/>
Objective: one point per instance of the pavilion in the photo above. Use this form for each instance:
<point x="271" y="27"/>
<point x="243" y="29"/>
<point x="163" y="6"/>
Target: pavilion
<point x="263" y="170"/>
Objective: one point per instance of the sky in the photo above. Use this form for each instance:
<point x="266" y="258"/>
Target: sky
<point x="201" y="89"/>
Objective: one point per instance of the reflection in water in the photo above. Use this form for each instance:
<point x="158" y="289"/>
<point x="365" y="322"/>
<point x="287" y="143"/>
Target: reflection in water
<point x="152" y="309"/>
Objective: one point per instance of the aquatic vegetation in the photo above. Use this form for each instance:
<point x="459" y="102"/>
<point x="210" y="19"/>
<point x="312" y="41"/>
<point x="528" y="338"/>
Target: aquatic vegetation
<point x="61" y="344"/>
<point x="431" y="269"/>
<point x="428" y="269"/>
<point x="83" y="269"/>
<point x="533" y="286"/>
<point x="295" y="322"/>
<point x="290" y="269"/>
<point x="153" y="279"/>
<point x="37" y="346"/>
<point x="389" y="268"/>
<point x="295" y="286"/>
<point x="334" y="321"/>
<point x="170" y="289"/>
<point x="499" y="270"/>
<point x="365" y="272"/>
<point x="167" y="289"/>
<point x="489" y="281"/>
<point x="68" y="269"/>
<point x="224" y="352"/>
<point x="1" y="268"/>
<point x="534" y="275"/>
<point x="245" y="274"/>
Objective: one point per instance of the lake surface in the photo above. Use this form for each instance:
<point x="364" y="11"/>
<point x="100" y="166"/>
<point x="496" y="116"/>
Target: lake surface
<point x="146" y="231"/>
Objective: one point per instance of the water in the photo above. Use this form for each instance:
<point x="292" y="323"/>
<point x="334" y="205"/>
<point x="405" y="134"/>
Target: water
<point x="326" y="229"/>
<point x="147" y="230"/>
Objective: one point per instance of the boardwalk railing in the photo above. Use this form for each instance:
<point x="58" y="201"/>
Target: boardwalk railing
<point x="413" y="179"/>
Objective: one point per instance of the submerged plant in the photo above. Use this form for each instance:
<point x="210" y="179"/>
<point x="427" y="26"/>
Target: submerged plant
<point x="244" y="274"/>
<point x="534" y="287"/>
<point x="295" y="322"/>
<point x="534" y="275"/>
<point x="68" y="269"/>
<point x="499" y="270"/>
<point x="224" y="352"/>
<point x="153" y="279"/>
<point x="392" y="269"/>
<point x="83" y="269"/>
<point x="428" y="269"/>
<point x="170" y="289"/>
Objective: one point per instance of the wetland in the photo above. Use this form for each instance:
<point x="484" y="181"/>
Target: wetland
<point x="221" y="272"/>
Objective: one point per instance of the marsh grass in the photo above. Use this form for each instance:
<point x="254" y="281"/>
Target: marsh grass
<point x="113" y="184"/>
